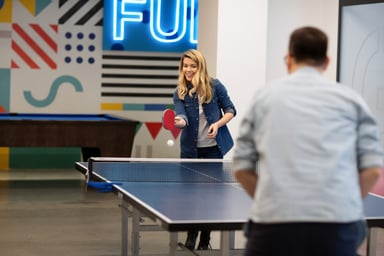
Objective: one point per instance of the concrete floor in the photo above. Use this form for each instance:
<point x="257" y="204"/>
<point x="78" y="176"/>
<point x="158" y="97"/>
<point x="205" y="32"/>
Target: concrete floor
<point x="47" y="212"/>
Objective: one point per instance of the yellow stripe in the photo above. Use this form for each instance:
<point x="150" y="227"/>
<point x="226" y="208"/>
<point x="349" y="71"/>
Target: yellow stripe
<point x="4" y="158"/>
<point x="29" y="5"/>
<point x="111" y="106"/>
<point x="6" y="12"/>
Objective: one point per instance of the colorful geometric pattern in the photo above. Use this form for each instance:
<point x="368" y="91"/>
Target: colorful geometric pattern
<point x="59" y="82"/>
<point x="134" y="107"/>
<point x="81" y="12"/>
<point x="5" y="89"/>
<point x="4" y="158"/>
<point x="52" y="62"/>
<point x="136" y="77"/>
<point x="6" y="11"/>
<point x="35" y="7"/>
<point x="80" y="47"/>
<point x="34" y="46"/>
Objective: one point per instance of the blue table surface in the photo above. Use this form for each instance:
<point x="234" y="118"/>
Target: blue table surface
<point x="190" y="172"/>
<point x="180" y="191"/>
<point x="191" y="202"/>
<point x="58" y="117"/>
<point x="374" y="207"/>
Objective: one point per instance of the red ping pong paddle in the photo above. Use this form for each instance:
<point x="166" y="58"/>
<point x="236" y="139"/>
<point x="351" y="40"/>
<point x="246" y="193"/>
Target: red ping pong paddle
<point x="168" y="119"/>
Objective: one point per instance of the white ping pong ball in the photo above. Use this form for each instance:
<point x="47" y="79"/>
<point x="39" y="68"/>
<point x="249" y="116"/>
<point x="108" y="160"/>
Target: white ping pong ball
<point x="170" y="143"/>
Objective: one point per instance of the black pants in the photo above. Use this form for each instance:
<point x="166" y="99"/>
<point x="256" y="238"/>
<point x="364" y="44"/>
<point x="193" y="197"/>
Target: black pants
<point x="205" y="237"/>
<point x="302" y="239"/>
<point x="206" y="153"/>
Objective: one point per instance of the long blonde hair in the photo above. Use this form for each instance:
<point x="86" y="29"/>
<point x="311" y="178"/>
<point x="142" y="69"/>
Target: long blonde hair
<point x="201" y="80"/>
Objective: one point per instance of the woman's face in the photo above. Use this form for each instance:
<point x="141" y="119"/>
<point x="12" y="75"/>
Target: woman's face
<point x="189" y="68"/>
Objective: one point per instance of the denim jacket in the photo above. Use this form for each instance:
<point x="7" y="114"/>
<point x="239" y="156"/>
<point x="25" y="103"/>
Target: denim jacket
<point x="189" y="110"/>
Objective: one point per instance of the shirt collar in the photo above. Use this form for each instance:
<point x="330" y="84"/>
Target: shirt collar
<point x="307" y="70"/>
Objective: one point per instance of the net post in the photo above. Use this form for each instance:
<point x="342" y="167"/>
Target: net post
<point x="88" y="172"/>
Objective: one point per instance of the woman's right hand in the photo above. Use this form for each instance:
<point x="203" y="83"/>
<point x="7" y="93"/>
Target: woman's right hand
<point x="179" y="122"/>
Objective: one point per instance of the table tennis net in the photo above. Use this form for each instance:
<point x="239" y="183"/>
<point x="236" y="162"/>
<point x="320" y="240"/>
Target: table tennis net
<point x="171" y="172"/>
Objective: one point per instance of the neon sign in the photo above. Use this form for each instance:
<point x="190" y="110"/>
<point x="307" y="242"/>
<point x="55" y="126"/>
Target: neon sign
<point x="150" y="25"/>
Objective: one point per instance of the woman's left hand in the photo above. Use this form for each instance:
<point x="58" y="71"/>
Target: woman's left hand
<point x="212" y="131"/>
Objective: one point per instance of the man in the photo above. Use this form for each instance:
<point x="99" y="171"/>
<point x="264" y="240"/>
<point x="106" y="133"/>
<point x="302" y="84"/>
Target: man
<point x="308" y="151"/>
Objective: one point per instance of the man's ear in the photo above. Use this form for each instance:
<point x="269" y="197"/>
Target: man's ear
<point x="289" y="62"/>
<point x="326" y="63"/>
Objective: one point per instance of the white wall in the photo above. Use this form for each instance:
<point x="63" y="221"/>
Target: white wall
<point x="252" y="38"/>
<point x="207" y="33"/>
<point x="241" y="51"/>
<point x="285" y="16"/>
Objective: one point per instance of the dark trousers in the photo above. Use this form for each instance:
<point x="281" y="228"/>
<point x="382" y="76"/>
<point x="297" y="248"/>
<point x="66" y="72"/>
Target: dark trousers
<point x="205" y="237"/>
<point x="302" y="239"/>
<point x="208" y="153"/>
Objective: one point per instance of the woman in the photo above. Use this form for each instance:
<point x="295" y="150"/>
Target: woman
<point x="203" y="108"/>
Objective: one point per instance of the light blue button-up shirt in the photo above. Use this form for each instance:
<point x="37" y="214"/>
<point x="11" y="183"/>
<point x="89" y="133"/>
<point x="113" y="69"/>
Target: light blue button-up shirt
<point x="311" y="137"/>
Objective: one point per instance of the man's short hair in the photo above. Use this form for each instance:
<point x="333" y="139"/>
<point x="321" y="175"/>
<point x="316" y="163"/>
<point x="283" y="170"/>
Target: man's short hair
<point x="308" y="45"/>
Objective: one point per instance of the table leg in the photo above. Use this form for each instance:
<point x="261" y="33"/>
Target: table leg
<point x="135" y="232"/>
<point x="225" y="238"/>
<point x="173" y="243"/>
<point x="371" y="241"/>
<point x="124" y="228"/>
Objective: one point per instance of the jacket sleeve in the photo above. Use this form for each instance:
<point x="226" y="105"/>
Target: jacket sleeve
<point x="224" y="101"/>
<point x="179" y="107"/>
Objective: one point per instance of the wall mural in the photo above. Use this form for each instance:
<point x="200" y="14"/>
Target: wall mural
<point x="53" y="61"/>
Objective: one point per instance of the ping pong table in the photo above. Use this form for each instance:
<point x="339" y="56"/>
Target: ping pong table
<point x="183" y="194"/>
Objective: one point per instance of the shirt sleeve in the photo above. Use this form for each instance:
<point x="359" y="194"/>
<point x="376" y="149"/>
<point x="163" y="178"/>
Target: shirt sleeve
<point x="245" y="155"/>
<point x="369" y="148"/>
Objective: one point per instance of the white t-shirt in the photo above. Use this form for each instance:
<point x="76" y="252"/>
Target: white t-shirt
<point x="202" y="140"/>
